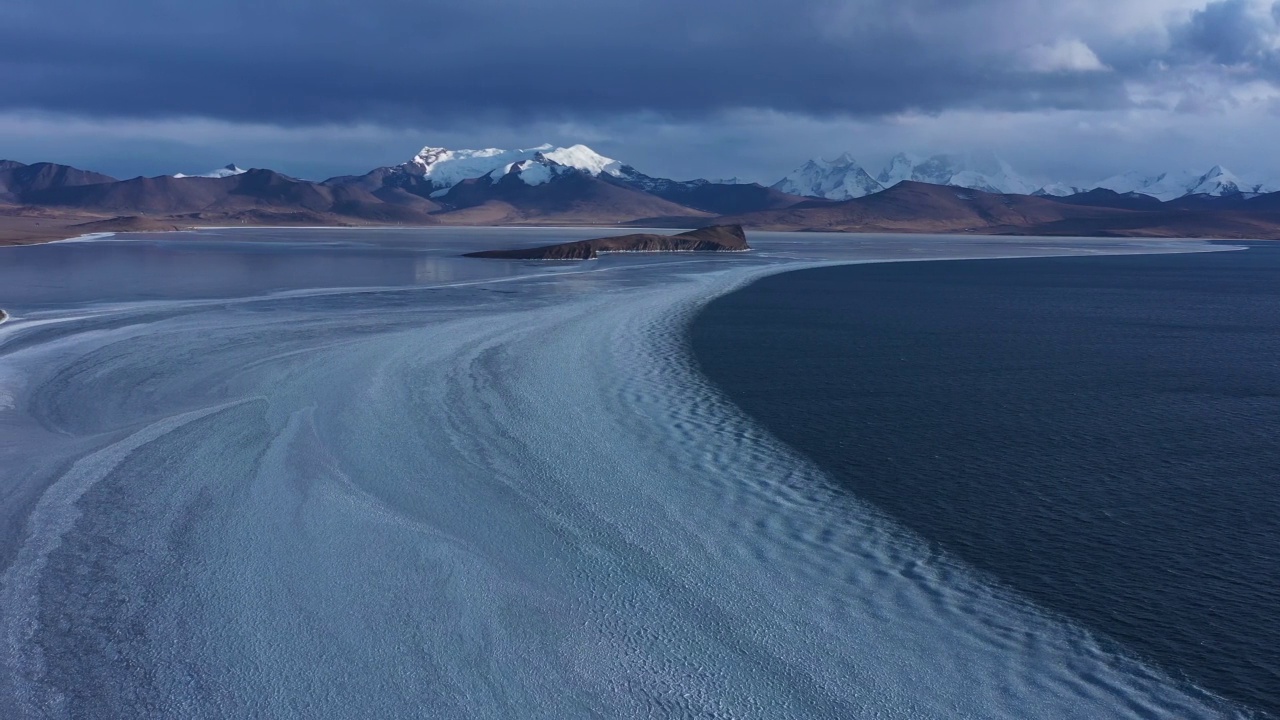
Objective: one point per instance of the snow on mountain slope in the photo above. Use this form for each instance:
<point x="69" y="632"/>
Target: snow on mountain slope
<point x="937" y="170"/>
<point x="585" y="159"/>
<point x="898" y="170"/>
<point x="843" y="179"/>
<point x="537" y="170"/>
<point x="1165" y="186"/>
<point x="1058" y="189"/>
<point x="1217" y="182"/>
<point x="984" y="172"/>
<point x="839" y="179"/>
<point x="1268" y="186"/>
<point x="1127" y="182"/>
<point x="977" y="171"/>
<point x="445" y="168"/>
<point x="222" y="172"/>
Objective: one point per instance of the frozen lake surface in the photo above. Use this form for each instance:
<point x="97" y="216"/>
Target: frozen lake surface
<point x="346" y="473"/>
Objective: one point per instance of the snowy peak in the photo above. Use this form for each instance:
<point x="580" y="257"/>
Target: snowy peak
<point x="844" y="159"/>
<point x="899" y="169"/>
<point x="585" y="159"/>
<point x="839" y="179"/>
<point x="1058" y="189"/>
<point x="843" y="179"/>
<point x="977" y="171"/>
<point x="1127" y="182"/>
<point x="937" y="170"/>
<point x="1165" y="186"/>
<point x="444" y="168"/>
<point x="1269" y="186"/>
<point x="222" y="172"/>
<point x="1217" y="182"/>
<point x="537" y="170"/>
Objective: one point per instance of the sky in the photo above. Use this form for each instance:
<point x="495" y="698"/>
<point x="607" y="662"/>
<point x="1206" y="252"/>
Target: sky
<point x="1069" y="90"/>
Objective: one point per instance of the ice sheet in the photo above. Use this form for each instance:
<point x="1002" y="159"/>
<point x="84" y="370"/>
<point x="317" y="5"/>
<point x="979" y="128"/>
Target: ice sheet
<point x="500" y="492"/>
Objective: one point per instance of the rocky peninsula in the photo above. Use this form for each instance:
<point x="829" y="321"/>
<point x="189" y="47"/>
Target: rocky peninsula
<point x="715" y="238"/>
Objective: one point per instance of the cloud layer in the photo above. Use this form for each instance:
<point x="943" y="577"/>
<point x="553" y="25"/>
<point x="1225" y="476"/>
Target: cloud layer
<point x="600" y="63"/>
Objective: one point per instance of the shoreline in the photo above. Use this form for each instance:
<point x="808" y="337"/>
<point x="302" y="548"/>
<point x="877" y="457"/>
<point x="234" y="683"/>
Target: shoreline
<point x="56" y="233"/>
<point x="733" y="373"/>
<point x="886" y="531"/>
<point x="100" y="236"/>
<point x="23" y="230"/>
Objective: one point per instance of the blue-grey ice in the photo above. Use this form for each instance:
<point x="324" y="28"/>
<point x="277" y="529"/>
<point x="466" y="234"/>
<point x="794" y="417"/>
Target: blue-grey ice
<point x="344" y="473"/>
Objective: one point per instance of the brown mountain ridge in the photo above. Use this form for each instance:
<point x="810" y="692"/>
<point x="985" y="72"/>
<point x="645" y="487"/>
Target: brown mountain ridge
<point x="45" y="201"/>
<point x="923" y="208"/>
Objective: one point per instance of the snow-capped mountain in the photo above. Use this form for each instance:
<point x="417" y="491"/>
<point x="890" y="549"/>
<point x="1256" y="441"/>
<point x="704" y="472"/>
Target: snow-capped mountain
<point x="839" y="179"/>
<point x="900" y="169"/>
<point x="222" y="172"/>
<point x="444" y="168"/>
<point x="991" y="174"/>
<point x="434" y="170"/>
<point x="1217" y="182"/>
<point x="978" y="171"/>
<point x="843" y="178"/>
<point x="540" y="169"/>
<point x="439" y="175"/>
<point x="1059" y="189"/>
<point x="585" y="159"/>
<point x="1165" y="186"/>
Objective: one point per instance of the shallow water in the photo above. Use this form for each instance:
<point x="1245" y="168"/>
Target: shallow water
<point x="347" y="473"/>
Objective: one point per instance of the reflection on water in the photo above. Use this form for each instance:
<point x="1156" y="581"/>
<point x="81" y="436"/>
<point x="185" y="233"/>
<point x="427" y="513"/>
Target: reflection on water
<point x="245" y="262"/>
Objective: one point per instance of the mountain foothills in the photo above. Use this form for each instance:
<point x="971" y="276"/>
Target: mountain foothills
<point x="574" y="185"/>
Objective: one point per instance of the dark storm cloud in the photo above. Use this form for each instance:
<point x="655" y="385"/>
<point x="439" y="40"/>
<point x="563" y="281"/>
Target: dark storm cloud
<point x="1234" y="33"/>
<point x="306" y="61"/>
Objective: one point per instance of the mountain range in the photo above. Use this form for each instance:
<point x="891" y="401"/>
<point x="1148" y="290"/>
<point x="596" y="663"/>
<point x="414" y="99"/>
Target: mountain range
<point x="499" y="185"/>
<point x="574" y="185"/>
<point x="843" y="178"/>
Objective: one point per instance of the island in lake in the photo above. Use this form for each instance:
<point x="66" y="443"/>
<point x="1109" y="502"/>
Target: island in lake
<point x="715" y="238"/>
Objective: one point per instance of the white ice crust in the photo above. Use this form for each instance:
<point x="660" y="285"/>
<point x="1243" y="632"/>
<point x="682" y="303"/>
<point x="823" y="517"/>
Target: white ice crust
<point x="367" y="502"/>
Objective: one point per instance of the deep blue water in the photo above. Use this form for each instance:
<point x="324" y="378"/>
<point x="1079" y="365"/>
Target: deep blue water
<point x="1101" y="435"/>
